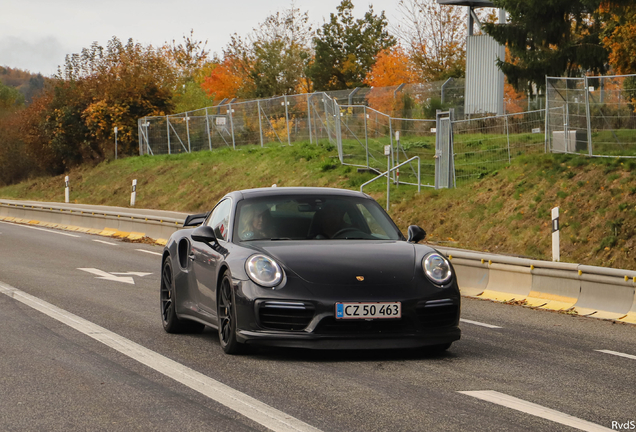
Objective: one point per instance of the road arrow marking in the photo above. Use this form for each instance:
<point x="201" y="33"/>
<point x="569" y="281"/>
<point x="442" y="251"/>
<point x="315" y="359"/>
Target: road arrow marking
<point x="108" y="276"/>
<point x="133" y="274"/>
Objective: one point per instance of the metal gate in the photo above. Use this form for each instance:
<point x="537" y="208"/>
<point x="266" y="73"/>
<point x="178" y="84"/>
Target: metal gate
<point x="444" y="158"/>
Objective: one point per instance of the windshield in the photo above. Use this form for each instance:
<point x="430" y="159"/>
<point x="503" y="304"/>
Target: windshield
<point x="312" y="218"/>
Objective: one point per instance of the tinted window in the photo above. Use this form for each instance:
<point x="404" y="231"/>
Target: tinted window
<point x="312" y="218"/>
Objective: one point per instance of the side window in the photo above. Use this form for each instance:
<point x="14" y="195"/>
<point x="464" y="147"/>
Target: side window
<point x="220" y="219"/>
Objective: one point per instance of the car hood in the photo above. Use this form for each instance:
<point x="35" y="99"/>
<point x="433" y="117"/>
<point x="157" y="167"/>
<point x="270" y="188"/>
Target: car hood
<point x="342" y="262"/>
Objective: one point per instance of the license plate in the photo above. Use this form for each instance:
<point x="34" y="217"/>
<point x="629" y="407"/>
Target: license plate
<point x="368" y="310"/>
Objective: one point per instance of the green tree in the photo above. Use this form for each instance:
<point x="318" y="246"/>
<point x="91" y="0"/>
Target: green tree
<point x="10" y="99"/>
<point x="346" y="48"/>
<point x="547" y="37"/>
<point x="280" y="52"/>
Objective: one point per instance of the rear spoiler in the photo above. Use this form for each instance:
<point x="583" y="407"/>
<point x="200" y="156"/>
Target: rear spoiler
<point x="195" y="219"/>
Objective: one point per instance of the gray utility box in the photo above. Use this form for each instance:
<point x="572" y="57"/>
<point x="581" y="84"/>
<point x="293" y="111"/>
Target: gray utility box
<point x="575" y="141"/>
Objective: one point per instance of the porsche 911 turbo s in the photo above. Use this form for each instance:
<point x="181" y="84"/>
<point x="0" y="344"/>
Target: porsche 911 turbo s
<point x="307" y="267"/>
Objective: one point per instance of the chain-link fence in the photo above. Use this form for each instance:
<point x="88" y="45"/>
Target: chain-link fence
<point x="592" y="115"/>
<point x="487" y="144"/>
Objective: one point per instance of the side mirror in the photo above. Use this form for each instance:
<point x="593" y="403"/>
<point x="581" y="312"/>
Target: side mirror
<point x="204" y="234"/>
<point x="416" y="234"/>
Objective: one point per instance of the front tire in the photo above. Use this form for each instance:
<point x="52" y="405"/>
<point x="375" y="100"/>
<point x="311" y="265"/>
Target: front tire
<point x="226" y="310"/>
<point x="172" y="323"/>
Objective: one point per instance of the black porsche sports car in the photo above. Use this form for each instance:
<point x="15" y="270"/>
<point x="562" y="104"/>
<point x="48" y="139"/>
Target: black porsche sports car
<point x="307" y="267"/>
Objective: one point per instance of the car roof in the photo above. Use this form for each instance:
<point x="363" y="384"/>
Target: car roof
<point x="278" y="191"/>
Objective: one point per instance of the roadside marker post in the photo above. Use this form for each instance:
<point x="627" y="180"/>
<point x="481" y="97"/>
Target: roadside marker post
<point x="66" y="190"/>
<point x="556" y="256"/>
<point x="133" y="195"/>
<point x="387" y="152"/>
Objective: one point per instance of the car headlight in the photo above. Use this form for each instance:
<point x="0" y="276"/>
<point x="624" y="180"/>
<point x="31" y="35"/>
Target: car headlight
<point x="437" y="268"/>
<point x="264" y="271"/>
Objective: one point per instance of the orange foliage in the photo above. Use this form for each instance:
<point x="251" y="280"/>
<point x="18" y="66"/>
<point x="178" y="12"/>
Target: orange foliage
<point x="620" y="36"/>
<point x="392" y="67"/>
<point x="226" y="80"/>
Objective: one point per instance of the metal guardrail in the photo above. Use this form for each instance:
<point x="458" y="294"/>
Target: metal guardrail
<point x="599" y="292"/>
<point x="152" y="225"/>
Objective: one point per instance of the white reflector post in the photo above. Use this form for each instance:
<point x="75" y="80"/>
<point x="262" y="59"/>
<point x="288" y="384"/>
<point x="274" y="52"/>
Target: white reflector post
<point x="66" y="190"/>
<point x="133" y="195"/>
<point x="556" y="256"/>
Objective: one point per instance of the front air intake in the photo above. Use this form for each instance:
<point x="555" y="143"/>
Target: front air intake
<point x="438" y="313"/>
<point x="282" y="315"/>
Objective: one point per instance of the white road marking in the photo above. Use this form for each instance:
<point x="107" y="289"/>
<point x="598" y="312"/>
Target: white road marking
<point x="41" y="229"/>
<point x="107" y="276"/>
<point x="535" y="410"/>
<point x="477" y="323"/>
<point x="150" y="252"/>
<point x="140" y="274"/>
<point x="616" y="353"/>
<point x="105" y="242"/>
<point x="251" y="408"/>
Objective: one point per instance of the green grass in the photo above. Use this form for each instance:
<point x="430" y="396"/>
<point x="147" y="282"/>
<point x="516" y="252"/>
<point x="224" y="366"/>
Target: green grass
<point x="505" y="211"/>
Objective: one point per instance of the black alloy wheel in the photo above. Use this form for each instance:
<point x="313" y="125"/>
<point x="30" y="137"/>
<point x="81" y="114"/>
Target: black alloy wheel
<point x="227" y="317"/>
<point x="171" y="323"/>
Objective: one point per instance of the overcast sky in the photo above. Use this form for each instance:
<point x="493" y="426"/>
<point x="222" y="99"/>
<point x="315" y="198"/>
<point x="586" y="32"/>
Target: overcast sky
<point x="36" y="35"/>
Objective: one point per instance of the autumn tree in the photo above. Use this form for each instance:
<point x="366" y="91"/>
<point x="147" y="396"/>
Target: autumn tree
<point x="619" y="36"/>
<point x="269" y="61"/>
<point x="10" y="99"/>
<point x="435" y="36"/>
<point x="392" y="67"/>
<point x="345" y="48"/>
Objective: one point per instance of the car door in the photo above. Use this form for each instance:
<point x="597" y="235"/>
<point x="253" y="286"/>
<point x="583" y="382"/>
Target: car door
<point x="207" y="257"/>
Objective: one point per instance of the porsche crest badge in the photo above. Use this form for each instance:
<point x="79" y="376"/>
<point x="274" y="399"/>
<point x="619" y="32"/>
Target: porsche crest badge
<point x="360" y="278"/>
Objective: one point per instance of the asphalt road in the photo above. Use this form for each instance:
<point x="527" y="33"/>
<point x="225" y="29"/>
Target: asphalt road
<point x="56" y="378"/>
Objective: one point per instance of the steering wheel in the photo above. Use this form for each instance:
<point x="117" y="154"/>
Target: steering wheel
<point x="344" y="230"/>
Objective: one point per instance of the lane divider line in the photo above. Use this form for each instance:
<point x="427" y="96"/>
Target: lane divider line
<point x="105" y="242"/>
<point x="535" y="410"/>
<point x="481" y="324"/>
<point x="249" y="407"/>
<point x="147" y="251"/>
<point x="41" y="229"/>
<point x="616" y="353"/>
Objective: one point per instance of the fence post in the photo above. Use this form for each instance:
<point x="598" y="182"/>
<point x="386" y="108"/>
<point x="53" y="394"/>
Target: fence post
<point x="140" y="136"/>
<point x="309" y="117"/>
<point x="231" y="124"/>
<point x="168" y="130"/>
<point x="391" y="140"/>
<point x="187" y="119"/>
<point x="287" y="121"/>
<point x="587" y="115"/>
<point x="547" y="113"/>
<point x="507" y="137"/>
<point x="260" y="122"/>
<point x="207" y="123"/>
<point x="366" y="137"/>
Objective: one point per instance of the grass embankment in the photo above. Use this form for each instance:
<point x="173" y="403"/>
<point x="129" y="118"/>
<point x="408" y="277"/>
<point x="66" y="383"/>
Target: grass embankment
<point x="507" y="211"/>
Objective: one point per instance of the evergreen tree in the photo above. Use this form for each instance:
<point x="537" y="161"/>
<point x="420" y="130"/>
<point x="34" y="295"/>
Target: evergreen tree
<point x="346" y="48"/>
<point x="547" y="37"/>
